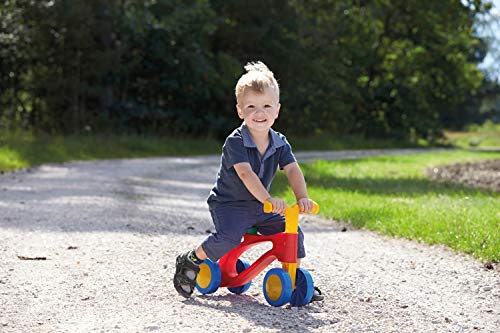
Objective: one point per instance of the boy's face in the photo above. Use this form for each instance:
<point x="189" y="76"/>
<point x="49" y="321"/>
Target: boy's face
<point x="259" y="109"/>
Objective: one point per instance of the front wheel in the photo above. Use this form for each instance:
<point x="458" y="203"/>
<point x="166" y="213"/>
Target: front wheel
<point x="277" y="287"/>
<point x="209" y="277"/>
<point x="304" y="288"/>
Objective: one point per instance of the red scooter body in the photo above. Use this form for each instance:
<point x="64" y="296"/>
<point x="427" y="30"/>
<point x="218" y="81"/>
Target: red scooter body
<point x="284" y="249"/>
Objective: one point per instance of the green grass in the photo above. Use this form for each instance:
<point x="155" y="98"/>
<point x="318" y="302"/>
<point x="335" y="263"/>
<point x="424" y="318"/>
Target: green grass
<point x="26" y="150"/>
<point x="23" y="150"/>
<point x="484" y="136"/>
<point x="392" y="196"/>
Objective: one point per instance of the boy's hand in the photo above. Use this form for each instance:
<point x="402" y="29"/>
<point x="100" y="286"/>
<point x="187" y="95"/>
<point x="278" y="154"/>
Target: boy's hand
<point x="306" y="205"/>
<point x="279" y="205"/>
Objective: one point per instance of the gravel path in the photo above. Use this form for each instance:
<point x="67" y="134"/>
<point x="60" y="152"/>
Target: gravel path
<point x="109" y="232"/>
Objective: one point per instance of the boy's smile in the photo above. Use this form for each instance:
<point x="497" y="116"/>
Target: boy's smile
<point x="259" y="109"/>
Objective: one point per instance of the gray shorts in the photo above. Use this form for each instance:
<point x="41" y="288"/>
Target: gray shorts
<point x="232" y="220"/>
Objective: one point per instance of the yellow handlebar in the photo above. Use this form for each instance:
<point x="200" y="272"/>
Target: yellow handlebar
<point x="291" y="227"/>
<point x="315" y="208"/>
<point x="268" y="207"/>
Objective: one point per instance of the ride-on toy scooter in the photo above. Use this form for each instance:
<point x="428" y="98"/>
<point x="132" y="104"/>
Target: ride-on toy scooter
<point x="281" y="285"/>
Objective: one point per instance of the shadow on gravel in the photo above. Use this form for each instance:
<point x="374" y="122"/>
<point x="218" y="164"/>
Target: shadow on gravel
<point x="285" y="319"/>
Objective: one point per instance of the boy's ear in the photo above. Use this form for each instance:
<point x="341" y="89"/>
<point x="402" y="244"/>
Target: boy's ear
<point x="278" y="110"/>
<point x="240" y="112"/>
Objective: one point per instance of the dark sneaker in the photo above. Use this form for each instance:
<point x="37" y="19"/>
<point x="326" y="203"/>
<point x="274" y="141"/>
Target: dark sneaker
<point x="317" y="295"/>
<point x="185" y="275"/>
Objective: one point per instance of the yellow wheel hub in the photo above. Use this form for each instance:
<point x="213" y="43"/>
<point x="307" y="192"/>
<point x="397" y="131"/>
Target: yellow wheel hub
<point x="274" y="287"/>
<point x="204" y="276"/>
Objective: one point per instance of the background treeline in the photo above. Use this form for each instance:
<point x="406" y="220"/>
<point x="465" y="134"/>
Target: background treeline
<point x="401" y="69"/>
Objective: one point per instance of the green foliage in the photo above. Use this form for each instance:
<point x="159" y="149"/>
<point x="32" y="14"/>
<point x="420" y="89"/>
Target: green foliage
<point x="479" y="106"/>
<point x="379" y="68"/>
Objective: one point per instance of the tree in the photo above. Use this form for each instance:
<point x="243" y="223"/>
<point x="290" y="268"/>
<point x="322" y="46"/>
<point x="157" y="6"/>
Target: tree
<point x="401" y="69"/>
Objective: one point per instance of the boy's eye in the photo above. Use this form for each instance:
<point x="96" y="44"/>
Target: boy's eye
<point x="250" y="107"/>
<point x="267" y="106"/>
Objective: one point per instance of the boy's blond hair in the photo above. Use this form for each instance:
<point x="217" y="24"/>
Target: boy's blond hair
<point x="258" y="77"/>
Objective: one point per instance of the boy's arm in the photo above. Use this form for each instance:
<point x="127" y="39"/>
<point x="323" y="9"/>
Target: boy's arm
<point x="254" y="186"/>
<point x="298" y="184"/>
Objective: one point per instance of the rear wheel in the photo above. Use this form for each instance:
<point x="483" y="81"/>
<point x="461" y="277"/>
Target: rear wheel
<point x="209" y="277"/>
<point x="241" y="265"/>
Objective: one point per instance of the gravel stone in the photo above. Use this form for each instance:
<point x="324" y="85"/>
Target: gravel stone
<point x="152" y="327"/>
<point x="129" y="219"/>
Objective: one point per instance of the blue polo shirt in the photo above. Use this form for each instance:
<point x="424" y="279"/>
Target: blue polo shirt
<point x="238" y="148"/>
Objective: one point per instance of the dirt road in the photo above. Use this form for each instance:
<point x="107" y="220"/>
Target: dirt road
<point x="103" y="237"/>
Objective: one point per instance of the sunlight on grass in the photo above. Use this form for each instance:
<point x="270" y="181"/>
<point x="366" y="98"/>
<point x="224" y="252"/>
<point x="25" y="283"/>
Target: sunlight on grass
<point x="391" y="195"/>
<point x="10" y="159"/>
<point x="486" y="135"/>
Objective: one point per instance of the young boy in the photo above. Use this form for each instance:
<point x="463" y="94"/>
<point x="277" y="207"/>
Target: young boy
<point x="250" y="158"/>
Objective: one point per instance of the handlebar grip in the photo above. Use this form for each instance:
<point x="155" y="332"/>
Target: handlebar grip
<point x="315" y="208"/>
<point x="268" y="207"/>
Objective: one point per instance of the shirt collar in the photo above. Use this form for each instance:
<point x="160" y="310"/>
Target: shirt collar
<point x="276" y="141"/>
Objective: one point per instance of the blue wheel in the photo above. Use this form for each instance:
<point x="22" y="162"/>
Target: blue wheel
<point x="277" y="287"/>
<point x="241" y="265"/>
<point x="208" y="279"/>
<point x="304" y="288"/>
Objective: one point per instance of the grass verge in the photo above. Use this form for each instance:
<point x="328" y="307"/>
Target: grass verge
<point x="329" y="142"/>
<point x="392" y="196"/>
<point x="25" y="150"/>
<point x="482" y="136"/>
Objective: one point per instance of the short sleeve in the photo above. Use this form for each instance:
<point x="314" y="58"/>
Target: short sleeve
<point x="286" y="156"/>
<point x="234" y="152"/>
